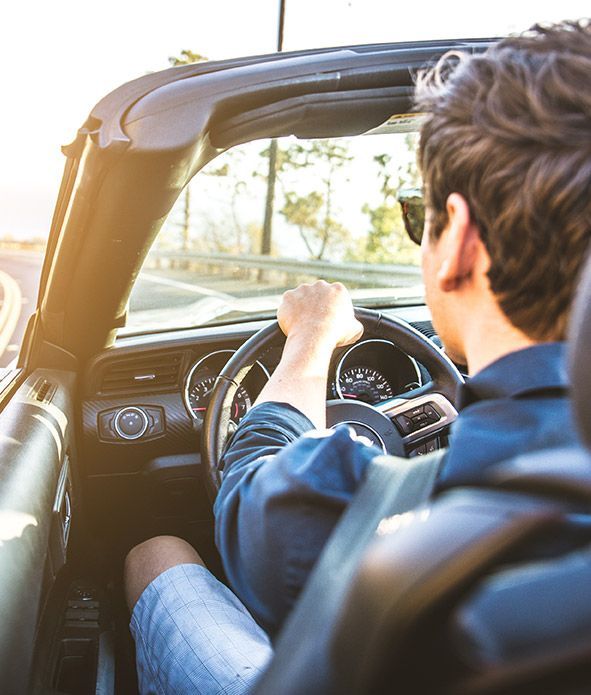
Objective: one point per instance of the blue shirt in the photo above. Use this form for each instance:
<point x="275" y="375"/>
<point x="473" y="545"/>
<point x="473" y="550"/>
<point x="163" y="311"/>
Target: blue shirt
<point x="285" y="485"/>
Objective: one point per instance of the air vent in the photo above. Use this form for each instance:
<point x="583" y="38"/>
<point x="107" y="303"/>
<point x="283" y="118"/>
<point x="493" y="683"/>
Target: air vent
<point x="426" y="328"/>
<point x="141" y="374"/>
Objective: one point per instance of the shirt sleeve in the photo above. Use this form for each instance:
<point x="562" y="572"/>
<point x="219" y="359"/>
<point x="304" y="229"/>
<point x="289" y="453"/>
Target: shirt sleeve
<point x="284" y="488"/>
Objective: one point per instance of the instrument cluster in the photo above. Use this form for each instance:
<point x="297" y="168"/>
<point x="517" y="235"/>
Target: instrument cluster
<point x="370" y="371"/>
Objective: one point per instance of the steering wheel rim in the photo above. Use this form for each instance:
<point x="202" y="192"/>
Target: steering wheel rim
<point x="445" y="379"/>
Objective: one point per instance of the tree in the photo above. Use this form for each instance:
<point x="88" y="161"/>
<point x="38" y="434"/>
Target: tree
<point x="386" y="240"/>
<point x="312" y="212"/>
<point x="243" y="240"/>
<point x="267" y="235"/>
<point x="186" y="57"/>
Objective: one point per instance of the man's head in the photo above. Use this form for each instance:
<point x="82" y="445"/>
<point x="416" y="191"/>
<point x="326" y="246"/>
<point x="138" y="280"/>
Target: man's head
<point x="505" y="154"/>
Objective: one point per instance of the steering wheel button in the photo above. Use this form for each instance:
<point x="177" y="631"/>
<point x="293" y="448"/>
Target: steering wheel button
<point x="419" y="410"/>
<point x="404" y="424"/>
<point x="431" y="412"/>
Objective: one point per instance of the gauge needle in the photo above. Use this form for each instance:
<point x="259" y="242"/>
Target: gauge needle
<point x="198" y="410"/>
<point x="349" y="395"/>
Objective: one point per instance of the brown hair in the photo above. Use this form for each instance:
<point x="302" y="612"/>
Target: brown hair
<point x="510" y="130"/>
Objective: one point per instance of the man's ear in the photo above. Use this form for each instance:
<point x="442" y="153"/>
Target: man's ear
<point x="460" y="243"/>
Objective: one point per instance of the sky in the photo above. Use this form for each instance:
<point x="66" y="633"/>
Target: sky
<point x="59" y="58"/>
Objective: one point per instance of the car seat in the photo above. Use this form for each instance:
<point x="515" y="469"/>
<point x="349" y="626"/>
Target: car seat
<point x="485" y="590"/>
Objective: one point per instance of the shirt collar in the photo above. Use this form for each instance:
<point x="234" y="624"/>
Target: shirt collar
<point x="532" y="369"/>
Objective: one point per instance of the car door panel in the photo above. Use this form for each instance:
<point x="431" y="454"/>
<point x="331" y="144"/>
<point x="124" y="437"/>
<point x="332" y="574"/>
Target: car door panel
<point x="36" y="499"/>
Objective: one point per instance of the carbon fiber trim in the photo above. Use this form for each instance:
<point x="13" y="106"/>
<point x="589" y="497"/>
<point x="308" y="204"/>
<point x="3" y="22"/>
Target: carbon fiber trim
<point x="180" y="435"/>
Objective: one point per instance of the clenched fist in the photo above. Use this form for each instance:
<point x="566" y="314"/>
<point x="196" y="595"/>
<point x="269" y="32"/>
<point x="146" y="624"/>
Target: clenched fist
<point x="322" y="311"/>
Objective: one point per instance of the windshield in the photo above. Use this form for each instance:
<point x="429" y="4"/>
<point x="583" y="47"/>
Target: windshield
<point x="263" y="217"/>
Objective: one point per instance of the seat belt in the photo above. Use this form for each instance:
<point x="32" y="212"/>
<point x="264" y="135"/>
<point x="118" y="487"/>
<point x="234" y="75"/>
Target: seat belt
<point x="392" y="486"/>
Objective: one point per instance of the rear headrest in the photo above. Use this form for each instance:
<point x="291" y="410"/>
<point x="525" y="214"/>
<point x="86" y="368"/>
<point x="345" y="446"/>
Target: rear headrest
<point x="580" y="354"/>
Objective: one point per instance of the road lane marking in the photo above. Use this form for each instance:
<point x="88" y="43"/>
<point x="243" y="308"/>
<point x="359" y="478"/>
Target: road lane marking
<point x="196" y="289"/>
<point x="11" y="309"/>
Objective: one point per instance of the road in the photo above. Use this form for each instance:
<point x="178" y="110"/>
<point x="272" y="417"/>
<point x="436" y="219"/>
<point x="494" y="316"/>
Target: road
<point x="162" y="289"/>
<point x="19" y="282"/>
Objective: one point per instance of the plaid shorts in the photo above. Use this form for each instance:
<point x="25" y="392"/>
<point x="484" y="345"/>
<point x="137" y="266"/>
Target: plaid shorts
<point x="193" y="635"/>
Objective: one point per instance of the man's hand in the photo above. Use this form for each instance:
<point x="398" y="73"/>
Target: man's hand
<point x="322" y="310"/>
<point x="315" y="318"/>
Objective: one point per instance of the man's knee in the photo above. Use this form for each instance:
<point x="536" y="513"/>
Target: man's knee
<point x="151" y="558"/>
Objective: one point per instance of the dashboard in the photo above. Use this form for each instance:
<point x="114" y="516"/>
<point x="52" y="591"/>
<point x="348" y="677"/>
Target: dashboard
<point x="146" y="397"/>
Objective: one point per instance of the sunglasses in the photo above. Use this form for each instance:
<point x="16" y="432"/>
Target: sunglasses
<point x="413" y="213"/>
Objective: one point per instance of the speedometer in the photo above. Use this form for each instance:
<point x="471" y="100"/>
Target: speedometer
<point x="364" y="384"/>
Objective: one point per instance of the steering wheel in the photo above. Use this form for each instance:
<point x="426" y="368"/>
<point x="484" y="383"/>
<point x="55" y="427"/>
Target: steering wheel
<point x="397" y="422"/>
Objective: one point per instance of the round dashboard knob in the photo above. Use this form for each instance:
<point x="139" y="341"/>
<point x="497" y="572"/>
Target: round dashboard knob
<point x="131" y="423"/>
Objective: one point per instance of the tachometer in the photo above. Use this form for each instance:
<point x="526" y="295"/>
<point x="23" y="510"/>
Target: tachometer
<point x="364" y="384"/>
<point x="200" y="393"/>
<point x="200" y="381"/>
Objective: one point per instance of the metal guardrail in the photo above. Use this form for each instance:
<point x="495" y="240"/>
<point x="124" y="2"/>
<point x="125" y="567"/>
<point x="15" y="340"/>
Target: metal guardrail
<point x="268" y="268"/>
<point x="374" y="275"/>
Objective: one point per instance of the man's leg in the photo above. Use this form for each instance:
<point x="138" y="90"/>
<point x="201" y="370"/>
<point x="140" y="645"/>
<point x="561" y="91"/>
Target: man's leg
<point x="192" y="634"/>
<point x="151" y="558"/>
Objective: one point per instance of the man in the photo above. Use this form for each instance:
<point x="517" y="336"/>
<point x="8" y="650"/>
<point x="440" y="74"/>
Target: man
<point x="505" y="155"/>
